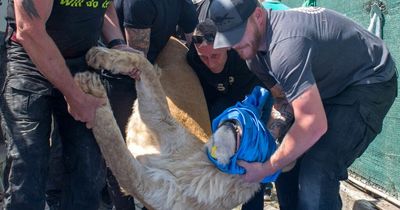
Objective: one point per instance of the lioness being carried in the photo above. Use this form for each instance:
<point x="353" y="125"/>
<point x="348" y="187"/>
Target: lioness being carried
<point x="175" y="172"/>
<point x="162" y="164"/>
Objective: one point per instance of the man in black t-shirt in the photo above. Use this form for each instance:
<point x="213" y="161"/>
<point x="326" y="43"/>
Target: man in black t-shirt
<point x="46" y="45"/>
<point x="148" y="24"/>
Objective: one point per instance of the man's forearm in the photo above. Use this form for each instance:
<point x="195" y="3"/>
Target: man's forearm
<point x="49" y="61"/>
<point x="138" y="39"/>
<point x="111" y="28"/>
<point x="281" y="117"/>
<point x="309" y="125"/>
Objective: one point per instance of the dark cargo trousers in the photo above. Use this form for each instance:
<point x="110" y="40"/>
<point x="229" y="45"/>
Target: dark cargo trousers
<point x="28" y="103"/>
<point x="355" y="118"/>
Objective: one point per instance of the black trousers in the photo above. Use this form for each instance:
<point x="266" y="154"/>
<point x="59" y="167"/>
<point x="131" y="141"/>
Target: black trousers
<point x="355" y="118"/>
<point x="28" y="105"/>
<point x="121" y="93"/>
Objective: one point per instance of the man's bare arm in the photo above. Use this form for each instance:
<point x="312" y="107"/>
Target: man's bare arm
<point x="31" y="17"/>
<point x="111" y="27"/>
<point x="309" y="125"/>
<point x="138" y="39"/>
<point x="30" y="9"/>
<point x="281" y="117"/>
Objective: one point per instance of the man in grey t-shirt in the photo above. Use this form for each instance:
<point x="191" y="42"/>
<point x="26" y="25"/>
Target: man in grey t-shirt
<point x="339" y="78"/>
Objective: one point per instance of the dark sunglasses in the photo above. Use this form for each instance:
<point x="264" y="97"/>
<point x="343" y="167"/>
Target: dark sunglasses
<point x="209" y="38"/>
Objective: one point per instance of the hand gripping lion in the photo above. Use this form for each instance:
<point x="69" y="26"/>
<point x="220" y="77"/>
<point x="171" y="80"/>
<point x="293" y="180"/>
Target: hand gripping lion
<point x="162" y="164"/>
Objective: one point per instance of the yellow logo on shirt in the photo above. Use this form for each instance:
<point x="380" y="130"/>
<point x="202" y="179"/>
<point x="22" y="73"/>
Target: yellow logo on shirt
<point x="85" y="3"/>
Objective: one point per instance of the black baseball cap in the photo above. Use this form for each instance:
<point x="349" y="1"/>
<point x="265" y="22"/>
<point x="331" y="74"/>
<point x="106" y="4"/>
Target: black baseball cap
<point x="230" y="17"/>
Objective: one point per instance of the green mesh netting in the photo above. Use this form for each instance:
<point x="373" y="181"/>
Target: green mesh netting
<point x="310" y="3"/>
<point x="380" y="164"/>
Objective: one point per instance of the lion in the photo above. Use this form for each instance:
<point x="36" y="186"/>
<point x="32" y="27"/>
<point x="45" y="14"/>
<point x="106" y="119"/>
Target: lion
<point x="163" y="162"/>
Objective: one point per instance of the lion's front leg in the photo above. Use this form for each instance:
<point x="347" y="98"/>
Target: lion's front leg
<point x="117" y="61"/>
<point x="152" y="103"/>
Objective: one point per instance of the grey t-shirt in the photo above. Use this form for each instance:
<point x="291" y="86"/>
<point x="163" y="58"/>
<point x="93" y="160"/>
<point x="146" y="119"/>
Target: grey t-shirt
<point x="306" y="46"/>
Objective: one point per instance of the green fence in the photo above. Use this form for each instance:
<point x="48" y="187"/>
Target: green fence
<point x="379" y="165"/>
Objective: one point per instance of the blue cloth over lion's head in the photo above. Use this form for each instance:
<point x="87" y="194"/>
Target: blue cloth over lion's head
<point x="257" y="143"/>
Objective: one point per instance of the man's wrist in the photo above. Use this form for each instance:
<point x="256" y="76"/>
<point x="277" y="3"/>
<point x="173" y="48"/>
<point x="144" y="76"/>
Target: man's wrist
<point x="116" y="42"/>
<point x="273" y="165"/>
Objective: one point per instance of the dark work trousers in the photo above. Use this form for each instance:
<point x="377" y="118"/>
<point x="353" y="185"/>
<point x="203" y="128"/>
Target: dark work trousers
<point x="121" y="93"/>
<point x="56" y="174"/>
<point x="28" y="103"/>
<point x="2" y="72"/>
<point x="2" y="140"/>
<point x="216" y="108"/>
<point x="355" y="118"/>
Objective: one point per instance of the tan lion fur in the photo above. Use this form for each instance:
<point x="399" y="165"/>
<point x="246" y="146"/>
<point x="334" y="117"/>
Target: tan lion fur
<point x="164" y="165"/>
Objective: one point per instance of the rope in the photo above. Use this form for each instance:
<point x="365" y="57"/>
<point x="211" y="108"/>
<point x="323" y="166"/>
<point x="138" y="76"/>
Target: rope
<point x="376" y="22"/>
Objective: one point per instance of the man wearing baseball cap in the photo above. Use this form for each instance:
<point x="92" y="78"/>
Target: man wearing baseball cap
<point x="339" y="78"/>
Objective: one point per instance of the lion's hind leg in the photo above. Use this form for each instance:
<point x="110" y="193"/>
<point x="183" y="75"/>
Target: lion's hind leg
<point x="127" y="170"/>
<point x="90" y="83"/>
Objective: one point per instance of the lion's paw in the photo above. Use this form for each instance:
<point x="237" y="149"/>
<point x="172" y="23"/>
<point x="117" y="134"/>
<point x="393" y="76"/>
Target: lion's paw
<point x="90" y="83"/>
<point x="100" y="58"/>
<point x="115" y="61"/>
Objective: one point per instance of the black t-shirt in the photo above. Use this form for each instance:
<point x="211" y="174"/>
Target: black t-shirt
<point x="161" y="17"/>
<point x="233" y="83"/>
<point x="75" y="26"/>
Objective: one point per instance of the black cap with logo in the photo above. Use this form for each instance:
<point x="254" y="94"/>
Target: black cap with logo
<point x="230" y="17"/>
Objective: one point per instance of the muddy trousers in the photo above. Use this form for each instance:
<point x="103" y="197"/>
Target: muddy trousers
<point x="355" y="118"/>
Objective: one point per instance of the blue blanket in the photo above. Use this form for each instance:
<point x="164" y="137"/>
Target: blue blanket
<point x="257" y="143"/>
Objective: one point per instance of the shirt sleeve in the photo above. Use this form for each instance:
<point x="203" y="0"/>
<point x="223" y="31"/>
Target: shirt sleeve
<point x="291" y="64"/>
<point x="188" y="18"/>
<point x="139" y="14"/>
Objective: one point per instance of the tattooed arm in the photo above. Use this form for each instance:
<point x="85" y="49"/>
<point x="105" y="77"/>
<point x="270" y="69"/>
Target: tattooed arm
<point x="309" y="125"/>
<point x="281" y="117"/>
<point x="138" y="39"/>
<point x="31" y="17"/>
<point x="112" y="30"/>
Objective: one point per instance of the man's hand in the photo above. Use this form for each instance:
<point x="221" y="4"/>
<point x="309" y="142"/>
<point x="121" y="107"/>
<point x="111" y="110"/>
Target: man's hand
<point x="134" y="73"/>
<point x="84" y="108"/>
<point x="256" y="172"/>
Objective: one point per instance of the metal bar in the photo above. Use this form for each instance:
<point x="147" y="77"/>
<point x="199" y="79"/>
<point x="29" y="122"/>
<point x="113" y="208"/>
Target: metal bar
<point x="379" y="193"/>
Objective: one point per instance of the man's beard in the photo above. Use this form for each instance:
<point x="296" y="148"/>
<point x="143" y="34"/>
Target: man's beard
<point x="253" y="46"/>
<point x="255" y="43"/>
